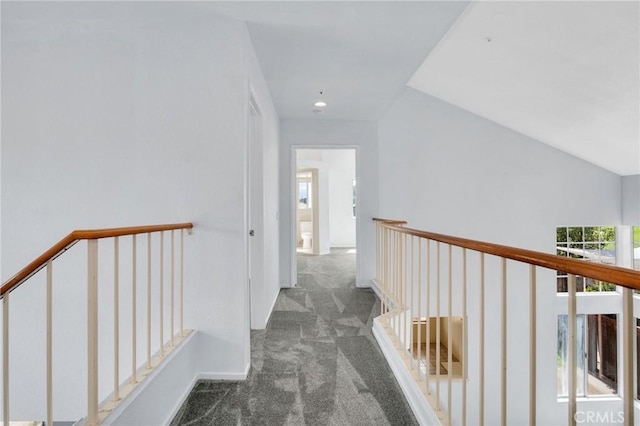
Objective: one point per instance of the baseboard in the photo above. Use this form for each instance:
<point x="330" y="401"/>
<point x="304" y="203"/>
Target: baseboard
<point x="181" y="400"/>
<point x="264" y="321"/>
<point x="273" y="305"/>
<point x="363" y="284"/>
<point x="234" y="377"/>
<point x="376" y="288"/>
<point x="415" y="397"/>
<point x="204" y="376"/>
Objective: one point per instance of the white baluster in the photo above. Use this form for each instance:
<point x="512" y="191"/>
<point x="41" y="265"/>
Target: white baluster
<point x="438" y="407"/>
<point x="481" y="349"/>
<point x="532" y="345"/>
<point x="573" y="349"/>
<point x="450" y="336"/>
<point x="411" y="311"/>
<point x="420" y="309"/>
<point x="116" y="319"/>
<point x="428" y="321"/>
<point x="161" y="326"/>
<point x="49" y="311"/>
<point x="628" y="344"/>
<point x="134" y="338"/>
<point x="464" y="336"/>
<point x="149" y="300"/>
<point x="182" y="282"/>
<point x="92" y="332"/>
<point x="172" y="283"/>
<point x="5" y="358"/>
<point x="503" y="345"/>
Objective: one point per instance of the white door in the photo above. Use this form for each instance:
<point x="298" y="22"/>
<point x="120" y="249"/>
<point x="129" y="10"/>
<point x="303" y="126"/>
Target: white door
<point x="255" y="209"/>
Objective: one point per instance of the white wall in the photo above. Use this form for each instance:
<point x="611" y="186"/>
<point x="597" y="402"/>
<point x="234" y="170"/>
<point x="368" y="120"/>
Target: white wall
<point x="341" y="166"/>
<point x="361" y="135"/>
<point x="631" y="200"/>
<point x="119" y="114"/>
<point x="448" y="171"/>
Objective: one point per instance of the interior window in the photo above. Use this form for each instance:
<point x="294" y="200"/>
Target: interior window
<point x="304" y="194"/>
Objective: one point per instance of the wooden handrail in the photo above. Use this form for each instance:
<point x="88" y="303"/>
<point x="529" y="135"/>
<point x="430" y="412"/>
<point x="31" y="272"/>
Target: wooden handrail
<point x="70" y="240"/>
<point x="612" y="274"/>
<point x="390" y="221"/>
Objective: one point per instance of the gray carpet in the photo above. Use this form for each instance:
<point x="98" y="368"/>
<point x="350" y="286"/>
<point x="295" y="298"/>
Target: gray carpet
<point x="317" y="362"/>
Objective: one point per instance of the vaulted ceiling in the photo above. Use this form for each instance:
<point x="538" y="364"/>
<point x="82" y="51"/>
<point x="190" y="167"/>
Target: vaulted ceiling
<point x="564" y="73"/>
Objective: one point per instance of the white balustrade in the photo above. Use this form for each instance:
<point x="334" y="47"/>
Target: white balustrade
<point x="99" y="406"/>
<point x="414" y="285"/>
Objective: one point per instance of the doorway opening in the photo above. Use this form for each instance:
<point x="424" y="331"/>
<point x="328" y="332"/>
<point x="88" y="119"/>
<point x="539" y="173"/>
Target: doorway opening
<point x="325" y="208"/>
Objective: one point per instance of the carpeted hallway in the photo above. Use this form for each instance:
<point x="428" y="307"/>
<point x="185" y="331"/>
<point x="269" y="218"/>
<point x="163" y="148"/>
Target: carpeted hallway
<point x="317" y="362"/>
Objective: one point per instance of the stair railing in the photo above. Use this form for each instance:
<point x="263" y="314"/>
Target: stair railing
<point x="415" y="278"/>
<point x="95" y="412"/>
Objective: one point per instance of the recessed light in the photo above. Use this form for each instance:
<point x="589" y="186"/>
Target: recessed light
<point x="320" y="104"/>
